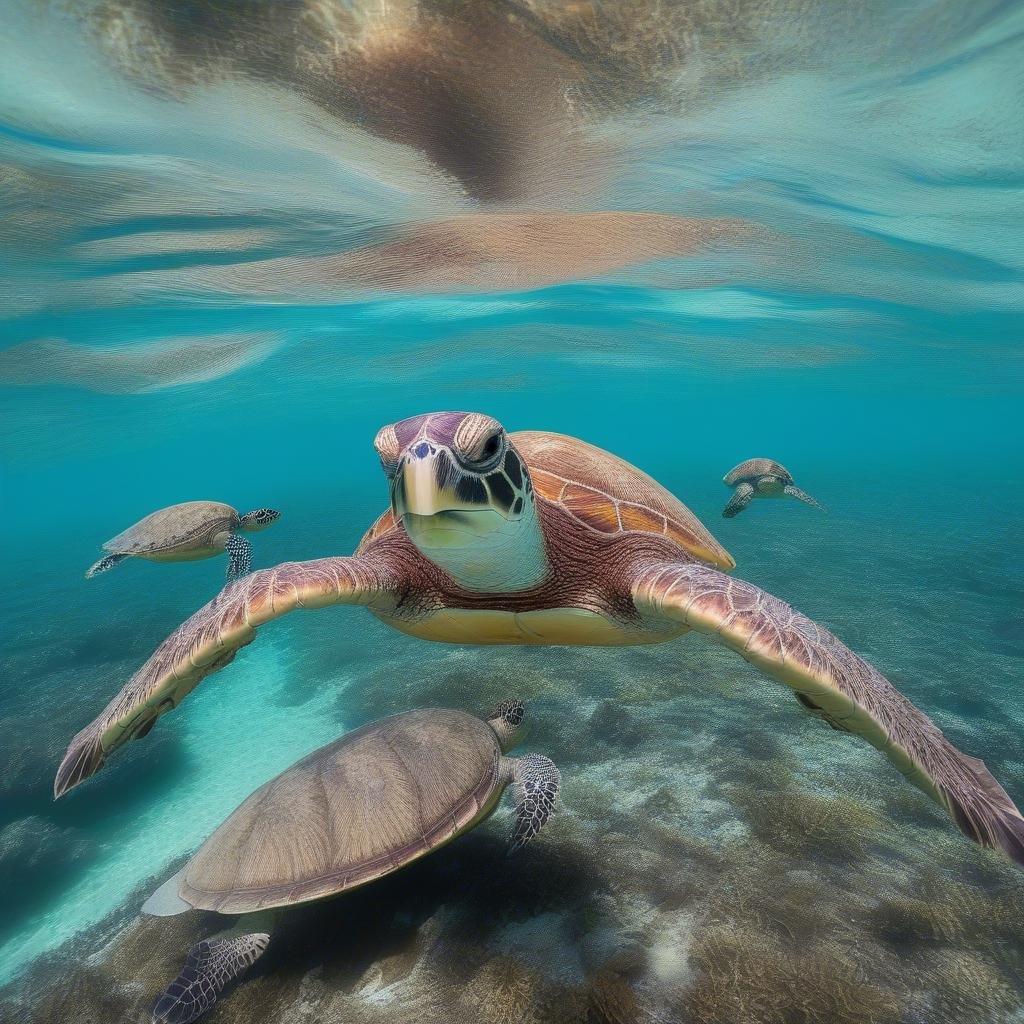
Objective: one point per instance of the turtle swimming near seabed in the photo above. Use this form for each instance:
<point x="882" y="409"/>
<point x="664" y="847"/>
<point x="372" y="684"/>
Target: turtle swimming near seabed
<point x="761" y="478"/>
<point x="359" y="808"/>
<point x="186" y="533"/>
<point x="539" y="538"/>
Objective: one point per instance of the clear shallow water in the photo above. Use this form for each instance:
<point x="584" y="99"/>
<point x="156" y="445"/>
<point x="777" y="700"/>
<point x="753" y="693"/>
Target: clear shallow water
<point x="865" y="332"/>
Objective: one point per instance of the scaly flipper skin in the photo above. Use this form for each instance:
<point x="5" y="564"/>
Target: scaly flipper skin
<point x="536" y="783"/>
<point x="853" y="695"/>
<point x="209" y="640"/>
<point x="106" y="563"/>
<point x="739" y="501"/>
<point x="794" y="492"/>
<point x="210" y="965"/>
<point x="239" y="557"/>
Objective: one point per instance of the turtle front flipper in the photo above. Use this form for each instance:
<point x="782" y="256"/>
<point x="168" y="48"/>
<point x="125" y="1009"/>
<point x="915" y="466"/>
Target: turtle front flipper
<point x="239" y="557"/>
<point x="850" y="693"/>
<point x="106" y="563"/>
<point x="536" y="781"/>
<point x="792" y="491"/>
<point x="210" y="639"/>
<point x="210" y="965"/>
<point x="741" y="498"/>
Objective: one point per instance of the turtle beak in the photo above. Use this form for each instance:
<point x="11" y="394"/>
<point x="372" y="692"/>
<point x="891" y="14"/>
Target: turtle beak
<point x="429" y="483"/>
<point x="415" y="488"/>
<point x="426" y="483"/>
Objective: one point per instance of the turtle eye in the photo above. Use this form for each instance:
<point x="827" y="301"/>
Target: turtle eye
<point x="490" y="448"/>
<point x="479" y="441"/>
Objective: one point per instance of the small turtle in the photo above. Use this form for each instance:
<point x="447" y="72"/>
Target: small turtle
<point x="761" y="478"/>
<point x="187" y="532"/>
<point x="539" y="538"/>
<point x="352" y="811"/>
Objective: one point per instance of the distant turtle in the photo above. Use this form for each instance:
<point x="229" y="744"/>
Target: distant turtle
<point x="186" y="533"/>
<point x="538" y="538"/>
<point x="359" y="808"/>
<point x="761" y="478"/>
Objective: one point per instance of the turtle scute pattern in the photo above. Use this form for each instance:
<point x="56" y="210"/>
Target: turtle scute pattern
<point x="173" y="527"/>
<point x="607" y="494"/>
<point x="754" y="468"/>
<point x="349" y="812"/>
<point x="792" y="648"/>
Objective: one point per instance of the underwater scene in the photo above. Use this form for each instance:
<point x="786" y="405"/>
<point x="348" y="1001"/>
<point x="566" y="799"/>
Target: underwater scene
<point x="628" y="394"/>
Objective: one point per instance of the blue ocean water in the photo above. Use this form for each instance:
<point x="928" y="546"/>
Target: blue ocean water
<point x="178" y="321"/>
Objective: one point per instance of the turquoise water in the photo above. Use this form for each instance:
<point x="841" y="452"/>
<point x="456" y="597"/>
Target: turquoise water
<point x="173" y="327"/>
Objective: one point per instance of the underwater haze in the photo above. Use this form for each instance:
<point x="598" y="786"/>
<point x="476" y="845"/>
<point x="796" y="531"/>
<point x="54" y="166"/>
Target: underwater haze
<point x="237" y="238"/>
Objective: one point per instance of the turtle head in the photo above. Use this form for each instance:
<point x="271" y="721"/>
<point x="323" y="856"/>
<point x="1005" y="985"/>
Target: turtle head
<point x="464" y="496"/>
<point x="507" y="722"/>
<point x="258" y="519"/>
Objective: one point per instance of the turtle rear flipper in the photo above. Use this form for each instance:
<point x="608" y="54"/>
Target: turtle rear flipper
<point x="210" y="965"/>
<point x="106" y="563"/>
<point x="536" y="781"/>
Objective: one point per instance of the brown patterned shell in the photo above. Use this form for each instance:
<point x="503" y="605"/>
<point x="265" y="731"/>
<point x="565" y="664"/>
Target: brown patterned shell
<point x="604" y="493"/>
<point x="754" y="468"/>
<point x="609" y="495"/>
<point x="354" y="810"/>
<point x="177" y="526"/>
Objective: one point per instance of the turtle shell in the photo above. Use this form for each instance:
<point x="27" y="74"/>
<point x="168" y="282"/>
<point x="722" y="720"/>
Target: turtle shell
<point x="354" y="810"/>
<point x="754" y="468"/>
<point x="608" y="494"/>
<point x="177" y="526"/>
<point x="603" y="492"/>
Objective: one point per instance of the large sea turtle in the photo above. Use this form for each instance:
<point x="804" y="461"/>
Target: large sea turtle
<point x="538" y="538"/>
<point x="359" y="808"/>
<point x="187" y="532"/>
<point x="761" y="478"/>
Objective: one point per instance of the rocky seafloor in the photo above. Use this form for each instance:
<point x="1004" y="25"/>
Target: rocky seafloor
<point x="717" y="859"/>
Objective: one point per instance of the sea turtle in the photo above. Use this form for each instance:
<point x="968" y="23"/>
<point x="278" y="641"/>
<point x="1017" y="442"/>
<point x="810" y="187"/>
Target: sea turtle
<point x="361" y="807"/>
<point x="761" y="478"/>
<point x="539" y="538"/>
<point x="187" y="532"/>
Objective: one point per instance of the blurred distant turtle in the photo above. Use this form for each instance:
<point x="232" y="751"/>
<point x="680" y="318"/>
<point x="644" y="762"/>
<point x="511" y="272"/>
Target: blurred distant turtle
<point x="538" y="538"/>
<point x="761" y="478"/>
<point x="187" y="532"/>
<point x="359" y="808"/>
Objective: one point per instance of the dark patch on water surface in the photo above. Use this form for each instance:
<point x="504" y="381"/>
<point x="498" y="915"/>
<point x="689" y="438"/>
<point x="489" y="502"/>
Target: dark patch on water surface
<point x="45" y="846"/>
<point x="38" y="858"/>
<point x="1008" y="636"/>
<point x="617" y="726"/>
<point x="100" y="646"/>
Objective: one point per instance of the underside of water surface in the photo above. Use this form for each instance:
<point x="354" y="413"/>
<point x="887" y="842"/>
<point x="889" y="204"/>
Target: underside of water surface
<point x="238" y="237"/>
